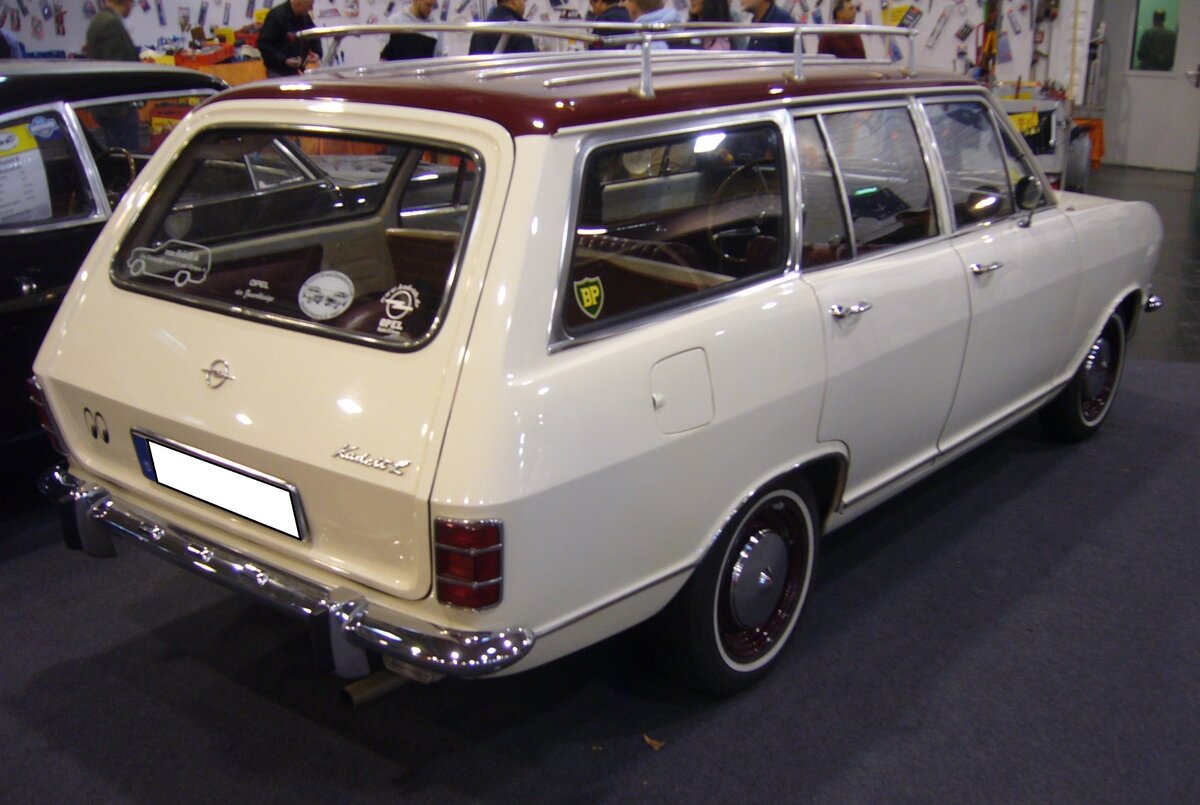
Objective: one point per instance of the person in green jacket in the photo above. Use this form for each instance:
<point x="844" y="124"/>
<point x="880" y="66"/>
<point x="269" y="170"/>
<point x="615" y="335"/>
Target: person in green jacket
<point x="108" y="39"/>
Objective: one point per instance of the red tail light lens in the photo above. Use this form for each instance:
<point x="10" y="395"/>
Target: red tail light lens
<point x="38" y="398"/>
<point x="467" y="556"/>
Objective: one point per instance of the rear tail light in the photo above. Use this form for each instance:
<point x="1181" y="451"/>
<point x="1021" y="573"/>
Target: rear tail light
<point x="38" y="397"/>
<point x="467" y="555"/>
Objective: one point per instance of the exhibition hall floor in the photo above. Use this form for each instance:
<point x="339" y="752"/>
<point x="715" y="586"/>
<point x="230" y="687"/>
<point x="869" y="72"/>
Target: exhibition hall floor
<point x="1024" y="626"/>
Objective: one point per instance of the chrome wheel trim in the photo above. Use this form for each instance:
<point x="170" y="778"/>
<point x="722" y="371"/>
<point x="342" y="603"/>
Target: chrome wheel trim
<point x="1101" y="370"/>
<point x="784" y="516"/>
<point x="758" y="578"/>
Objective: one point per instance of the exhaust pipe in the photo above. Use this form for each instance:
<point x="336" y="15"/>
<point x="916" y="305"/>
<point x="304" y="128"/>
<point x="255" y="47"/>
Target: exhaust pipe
<point x="369" y="688"/>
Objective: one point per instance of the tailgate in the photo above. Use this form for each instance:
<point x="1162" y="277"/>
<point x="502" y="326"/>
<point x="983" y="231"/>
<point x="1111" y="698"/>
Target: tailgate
<point x="273" y="359"/>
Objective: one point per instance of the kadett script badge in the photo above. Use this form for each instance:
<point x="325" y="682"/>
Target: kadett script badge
<point x="350" y="452"/>
<point x="589" y="295"/>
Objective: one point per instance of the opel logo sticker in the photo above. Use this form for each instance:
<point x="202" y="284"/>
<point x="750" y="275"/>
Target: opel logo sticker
<point x="217" y="373"/>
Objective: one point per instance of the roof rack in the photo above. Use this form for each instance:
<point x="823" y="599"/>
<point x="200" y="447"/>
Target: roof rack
<point x="636" y="36"/>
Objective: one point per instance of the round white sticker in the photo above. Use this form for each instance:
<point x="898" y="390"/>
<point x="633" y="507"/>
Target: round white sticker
<point x="326" y="295"/>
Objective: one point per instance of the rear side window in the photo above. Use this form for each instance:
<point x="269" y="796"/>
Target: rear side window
<point x="884" y="174"/>
<point x="664" y="221"/>
<point x="346" y="236"/>
<point x="41" y="178"/>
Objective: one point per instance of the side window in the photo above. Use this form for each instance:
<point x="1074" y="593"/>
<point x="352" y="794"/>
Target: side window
<point x="123" y="136"/>
<point x="665" y="220"/>
<point x="41" y="178"/>
<point x="823" y="220"/>
<point x="974" y="163"/>
<point x="883" y="171"/>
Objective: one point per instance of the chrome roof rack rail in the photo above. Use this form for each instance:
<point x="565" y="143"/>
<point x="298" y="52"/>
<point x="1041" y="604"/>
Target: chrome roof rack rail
<point x="636" y="37"/>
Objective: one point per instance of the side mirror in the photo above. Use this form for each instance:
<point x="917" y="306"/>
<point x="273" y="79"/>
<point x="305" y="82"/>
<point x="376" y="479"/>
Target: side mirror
<point x="1029" y="192"/>
<point x="1029" y="196"/>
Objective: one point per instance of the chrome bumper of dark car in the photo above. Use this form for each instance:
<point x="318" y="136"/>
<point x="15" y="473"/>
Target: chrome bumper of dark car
<point x="90" y="517"/>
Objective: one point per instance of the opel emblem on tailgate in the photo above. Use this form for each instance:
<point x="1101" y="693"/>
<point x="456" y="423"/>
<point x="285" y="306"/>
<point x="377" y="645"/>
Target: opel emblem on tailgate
<point x="217" y="373"/>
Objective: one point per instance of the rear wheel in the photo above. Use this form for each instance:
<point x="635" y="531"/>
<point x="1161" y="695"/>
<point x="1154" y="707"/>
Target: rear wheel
<point x="1082" y="406"/>
<point x="728" y="625"/>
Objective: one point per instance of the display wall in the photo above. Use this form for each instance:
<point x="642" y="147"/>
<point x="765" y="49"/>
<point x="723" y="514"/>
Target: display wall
<point x="949" y="32"/>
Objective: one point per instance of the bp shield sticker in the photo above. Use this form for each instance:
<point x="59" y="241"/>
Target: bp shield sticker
<point x="397" y="304"/>
<point x="589" y="295"/>
<point x="44" y="128"/>
<point x="326" y="295"/>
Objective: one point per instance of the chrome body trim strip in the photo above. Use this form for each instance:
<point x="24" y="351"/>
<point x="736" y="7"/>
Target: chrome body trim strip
<point x="92" y="516"/>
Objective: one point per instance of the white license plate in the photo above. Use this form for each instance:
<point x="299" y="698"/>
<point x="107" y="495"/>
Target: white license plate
<point x="241" y="490"/>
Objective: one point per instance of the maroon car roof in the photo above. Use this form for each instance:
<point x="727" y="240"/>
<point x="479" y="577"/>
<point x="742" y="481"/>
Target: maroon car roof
<point x="522" y="95"/>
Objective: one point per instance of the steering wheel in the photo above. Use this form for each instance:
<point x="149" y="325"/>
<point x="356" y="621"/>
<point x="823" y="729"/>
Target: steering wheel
<point x="756" y="198"/>
<point x="115" y="184"/>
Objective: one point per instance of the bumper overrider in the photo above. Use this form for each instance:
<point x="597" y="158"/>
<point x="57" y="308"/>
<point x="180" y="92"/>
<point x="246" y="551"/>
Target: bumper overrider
<point x="342" y="619"/>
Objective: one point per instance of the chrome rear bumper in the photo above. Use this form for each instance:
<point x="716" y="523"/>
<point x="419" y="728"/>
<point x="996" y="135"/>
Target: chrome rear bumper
<point x="342" y="617"/>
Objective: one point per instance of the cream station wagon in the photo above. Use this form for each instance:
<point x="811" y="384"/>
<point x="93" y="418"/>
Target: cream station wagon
<point x="476" y="362"/>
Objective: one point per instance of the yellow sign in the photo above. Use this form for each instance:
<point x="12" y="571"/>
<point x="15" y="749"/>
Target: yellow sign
<point x="1026" y="122"/>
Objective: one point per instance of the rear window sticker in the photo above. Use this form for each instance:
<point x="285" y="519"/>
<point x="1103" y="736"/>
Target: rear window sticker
<point x="589" y="295"/>
<point x="397" y="304"/>
<point x="176" y="260"/>
<point x="326" y="295"/>
<point x="258" y="291"/>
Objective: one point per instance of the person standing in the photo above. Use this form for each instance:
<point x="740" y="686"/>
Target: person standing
<point x="1156" y="51"/>
<point x="10" y="46"/>
<point x="283" y="52"/>
<point x="107" y="39"/>
<point x="766" y="12"/>
<point x="106" y="36"/>
<point x="504" y="11"/>
<point x="713" y="11"/>
<point x="844" y="46"/>
<point x="413" y="45"/>
<point x="651" y="11"/>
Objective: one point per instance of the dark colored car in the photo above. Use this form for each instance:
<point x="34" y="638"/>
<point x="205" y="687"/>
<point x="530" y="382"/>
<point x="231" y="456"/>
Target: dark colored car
<point x="73" y="134"/>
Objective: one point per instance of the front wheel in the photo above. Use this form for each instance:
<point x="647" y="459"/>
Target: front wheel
<point x="727" y="626"/>
<point x="1082" y="406"/>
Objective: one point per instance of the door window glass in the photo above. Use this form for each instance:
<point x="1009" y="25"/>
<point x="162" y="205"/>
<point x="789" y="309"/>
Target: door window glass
<point x="973" y="161"/>
<point x="123" y="136"/>
<point x="665" y="220"/>
<point x="41" y="177"/>
<point x="823" y="221"/>
<point x="884" y="174"/>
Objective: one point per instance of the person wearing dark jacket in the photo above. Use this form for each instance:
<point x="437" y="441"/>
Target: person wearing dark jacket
<point x="413" y="45"/>
<point x="283" y="53"/>
<point x="504" y="11"/>
<point x="766" y="12"/>
<point x="107" y="37"/>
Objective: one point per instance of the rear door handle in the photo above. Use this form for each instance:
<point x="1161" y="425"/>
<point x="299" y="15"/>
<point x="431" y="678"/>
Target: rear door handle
<point x="842" y="312"/>
<point x="980" y="268"/>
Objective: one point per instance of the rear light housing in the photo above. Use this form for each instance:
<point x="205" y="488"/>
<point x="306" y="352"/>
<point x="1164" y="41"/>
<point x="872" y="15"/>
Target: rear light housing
<point x="468" y="559"/>
<point x="37" y="396"/>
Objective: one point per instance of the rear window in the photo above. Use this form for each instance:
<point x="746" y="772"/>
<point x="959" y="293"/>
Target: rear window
<point x="351" y="237"/>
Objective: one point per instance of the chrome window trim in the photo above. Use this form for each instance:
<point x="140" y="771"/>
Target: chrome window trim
<point x="559" y="339"/>
<point x="83" y="158"/>
<point x="241" y="469"/>
<point x="313" y="328"/>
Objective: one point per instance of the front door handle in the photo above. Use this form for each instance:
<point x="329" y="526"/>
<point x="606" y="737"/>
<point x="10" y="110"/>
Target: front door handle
<point x="842" y="312"/>
<point x="980" y="268"/>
